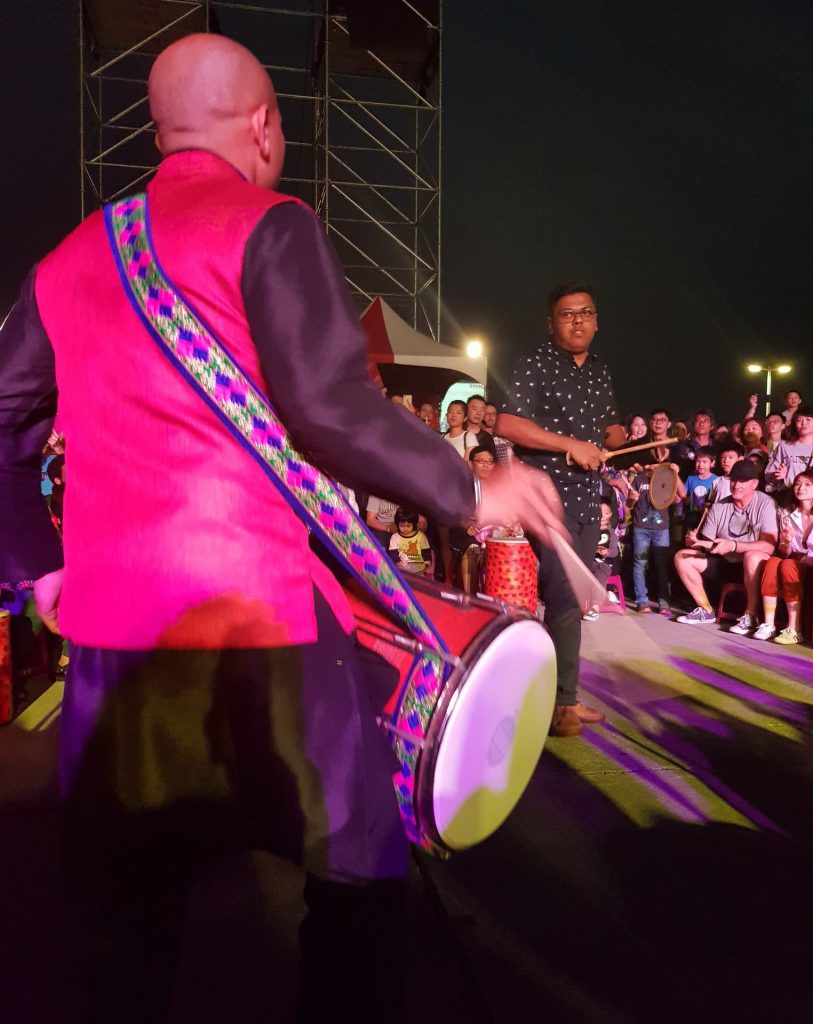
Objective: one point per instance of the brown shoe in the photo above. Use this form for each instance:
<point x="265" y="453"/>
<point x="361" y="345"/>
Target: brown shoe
<point x="588" y="714"/>
<point x="565" y="721"/>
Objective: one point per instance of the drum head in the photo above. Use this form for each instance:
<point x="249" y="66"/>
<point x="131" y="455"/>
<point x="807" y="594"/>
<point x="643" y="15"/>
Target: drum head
<point x="492" y="734"/>
<point x="662" y="486"/>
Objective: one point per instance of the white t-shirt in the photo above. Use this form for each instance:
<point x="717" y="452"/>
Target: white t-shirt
<point x="385" y="510"/>
<point x="793" y="454"/>
<point x="462" y="442"/>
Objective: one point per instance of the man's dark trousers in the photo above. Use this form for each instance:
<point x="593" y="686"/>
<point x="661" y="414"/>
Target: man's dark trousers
<point x="563" y="616"/>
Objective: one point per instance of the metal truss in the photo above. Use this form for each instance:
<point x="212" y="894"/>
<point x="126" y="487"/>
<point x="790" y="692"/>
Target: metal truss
<point x="359" y="88"/>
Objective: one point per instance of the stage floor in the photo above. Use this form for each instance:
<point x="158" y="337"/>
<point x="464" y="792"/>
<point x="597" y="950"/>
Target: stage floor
<point x="657" y="870"/>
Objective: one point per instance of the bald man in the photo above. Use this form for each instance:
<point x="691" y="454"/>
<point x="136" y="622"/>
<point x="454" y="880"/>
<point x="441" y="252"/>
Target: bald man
<point x="216" y="693"/>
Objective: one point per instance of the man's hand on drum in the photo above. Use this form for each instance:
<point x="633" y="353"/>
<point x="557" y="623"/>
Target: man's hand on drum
<point x="524" y="495"/>
<point x="585" y="454"/>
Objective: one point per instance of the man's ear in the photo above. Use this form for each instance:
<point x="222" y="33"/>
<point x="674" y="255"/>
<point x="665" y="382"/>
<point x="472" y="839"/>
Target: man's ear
<point x="157" y="140"/>
<point x="260" y="131"/>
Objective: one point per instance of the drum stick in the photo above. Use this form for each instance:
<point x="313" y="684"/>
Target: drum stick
<point x="640" y="447"/>
<point x="628" y="451"/>
<point x="586" y="588"/>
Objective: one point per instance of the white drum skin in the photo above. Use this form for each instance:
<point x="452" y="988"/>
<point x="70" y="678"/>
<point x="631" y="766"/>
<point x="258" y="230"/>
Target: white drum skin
<point x="484" y="742"/>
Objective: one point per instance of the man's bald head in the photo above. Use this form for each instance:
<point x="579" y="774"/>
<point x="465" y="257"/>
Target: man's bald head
<point x="208" y="92"/>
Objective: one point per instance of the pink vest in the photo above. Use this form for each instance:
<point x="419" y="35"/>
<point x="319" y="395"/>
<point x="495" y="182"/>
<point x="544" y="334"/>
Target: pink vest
<point x="174" y="537"/>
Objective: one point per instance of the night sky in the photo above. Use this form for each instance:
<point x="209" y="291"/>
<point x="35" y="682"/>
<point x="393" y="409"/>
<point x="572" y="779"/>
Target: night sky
<point x="660" y="151"/>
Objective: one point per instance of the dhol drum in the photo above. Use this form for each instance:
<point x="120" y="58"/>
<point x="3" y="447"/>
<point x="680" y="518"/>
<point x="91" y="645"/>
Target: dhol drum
<point x="6" y="692"/>
<point x="511" y="572"/>
<point x="662" y="486"/>
<point x="467" y="747"/>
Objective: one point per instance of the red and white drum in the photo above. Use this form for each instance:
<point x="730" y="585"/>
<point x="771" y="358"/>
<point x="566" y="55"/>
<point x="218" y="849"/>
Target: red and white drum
<point x="468" y="746"/>
<point x="510" y="572"/>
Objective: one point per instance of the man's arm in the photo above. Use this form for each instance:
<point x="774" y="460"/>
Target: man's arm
<point x="313" y="353"/>
<point x="29" y="545"/>
<point x="528" y="434"/>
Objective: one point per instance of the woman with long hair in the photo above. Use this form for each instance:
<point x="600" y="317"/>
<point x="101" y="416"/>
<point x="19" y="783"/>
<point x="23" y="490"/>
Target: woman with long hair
<point x="783" y="574"/>
<point x="753" y="434"/>
<point x="637" y="428"/>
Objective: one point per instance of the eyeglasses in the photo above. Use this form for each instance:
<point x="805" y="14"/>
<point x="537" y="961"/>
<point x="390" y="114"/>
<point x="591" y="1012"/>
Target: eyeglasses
<point x="484" y="462"/>
<point x="739" y="525"/>
<point x="570" y="314"/>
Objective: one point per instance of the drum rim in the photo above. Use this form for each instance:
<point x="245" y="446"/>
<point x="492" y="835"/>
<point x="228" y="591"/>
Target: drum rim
<point x="442" y="713"/>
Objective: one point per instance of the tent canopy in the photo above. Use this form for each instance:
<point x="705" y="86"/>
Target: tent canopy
<point x="411" y="362"/>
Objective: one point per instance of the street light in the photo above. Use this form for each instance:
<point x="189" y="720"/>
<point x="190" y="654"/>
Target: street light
<point x="782" y="369"/>
<point x="474" y="348"/>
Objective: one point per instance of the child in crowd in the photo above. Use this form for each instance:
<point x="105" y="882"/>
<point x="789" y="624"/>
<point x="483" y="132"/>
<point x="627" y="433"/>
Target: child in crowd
<point x="606" y="554"/>
<point x="729" y="456"/>
<point x="695" y="492"/>
<point x="783" y="574"/>
<point x="650" y="534"/>
<point x="409" y="548"/>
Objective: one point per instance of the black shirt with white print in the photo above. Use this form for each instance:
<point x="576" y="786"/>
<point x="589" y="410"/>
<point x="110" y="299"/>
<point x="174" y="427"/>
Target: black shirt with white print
<point x="549" y="388"/>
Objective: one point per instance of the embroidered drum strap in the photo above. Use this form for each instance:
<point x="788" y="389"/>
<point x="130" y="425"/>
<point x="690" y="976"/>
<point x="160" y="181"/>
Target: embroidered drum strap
<point x="183" y="336"/>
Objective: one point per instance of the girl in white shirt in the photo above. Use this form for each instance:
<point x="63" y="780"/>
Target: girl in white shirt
<point x="457" y="436"/>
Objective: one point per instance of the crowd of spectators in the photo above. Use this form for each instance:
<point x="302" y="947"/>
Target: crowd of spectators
<point x="740" y="513"/>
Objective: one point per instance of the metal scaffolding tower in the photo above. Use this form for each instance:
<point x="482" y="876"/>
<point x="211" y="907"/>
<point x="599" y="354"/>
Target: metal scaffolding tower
<point x="359" y="85"/>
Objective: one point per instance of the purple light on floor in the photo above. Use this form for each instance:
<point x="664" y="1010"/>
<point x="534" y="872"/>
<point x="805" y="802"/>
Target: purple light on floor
<point x="680" y="713"/>
<point x="746" y="692"/>
<point x="770" y="655"/>
<point x="664" y="788"/>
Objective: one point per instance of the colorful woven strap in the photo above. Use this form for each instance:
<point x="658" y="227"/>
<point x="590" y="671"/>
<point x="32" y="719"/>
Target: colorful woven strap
<point x="206" y="364"/>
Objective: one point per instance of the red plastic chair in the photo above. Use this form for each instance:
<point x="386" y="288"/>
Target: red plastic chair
<point x="609" y="606"/>
<point x="727" y="590"/>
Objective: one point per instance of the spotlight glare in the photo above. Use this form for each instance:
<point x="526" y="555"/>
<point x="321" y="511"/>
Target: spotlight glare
<point x="784" y="368"/>
<point x="474" y="348"/>
<point x="753" y="368"/>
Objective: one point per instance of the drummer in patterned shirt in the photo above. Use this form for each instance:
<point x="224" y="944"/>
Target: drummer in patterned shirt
<point x="560" y="402"/>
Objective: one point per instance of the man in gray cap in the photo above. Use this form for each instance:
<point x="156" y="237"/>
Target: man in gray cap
<point x="739" y="531"/>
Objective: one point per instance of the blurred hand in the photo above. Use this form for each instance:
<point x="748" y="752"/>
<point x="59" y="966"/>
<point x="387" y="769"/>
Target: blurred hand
<point x="614" y="436"/>
<point x="47" y="592"/>
<point x="781" y="471"/>
<point x="786" y="536"/>
<point x="526" y="495"/>
<point x="722" y="547"/>
<point x="752" y="401"/>
<point x="585" y="454"/>
<point x="691" y="538"/>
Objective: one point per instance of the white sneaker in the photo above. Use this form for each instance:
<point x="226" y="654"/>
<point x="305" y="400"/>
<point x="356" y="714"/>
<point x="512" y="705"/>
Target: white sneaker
<point x="699" y="617"/>
<point x="765" y="632"/>
<point x="591" y="615"/>
<point x="787" y="636"/>
<point x="745" y="625"/>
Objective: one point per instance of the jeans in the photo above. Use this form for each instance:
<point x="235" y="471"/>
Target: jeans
<point x="656" y="541"/>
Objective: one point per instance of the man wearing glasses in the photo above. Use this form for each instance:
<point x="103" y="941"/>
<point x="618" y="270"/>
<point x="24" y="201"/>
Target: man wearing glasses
<point x="738" y="531"/>
<point x="560" y="402"/>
